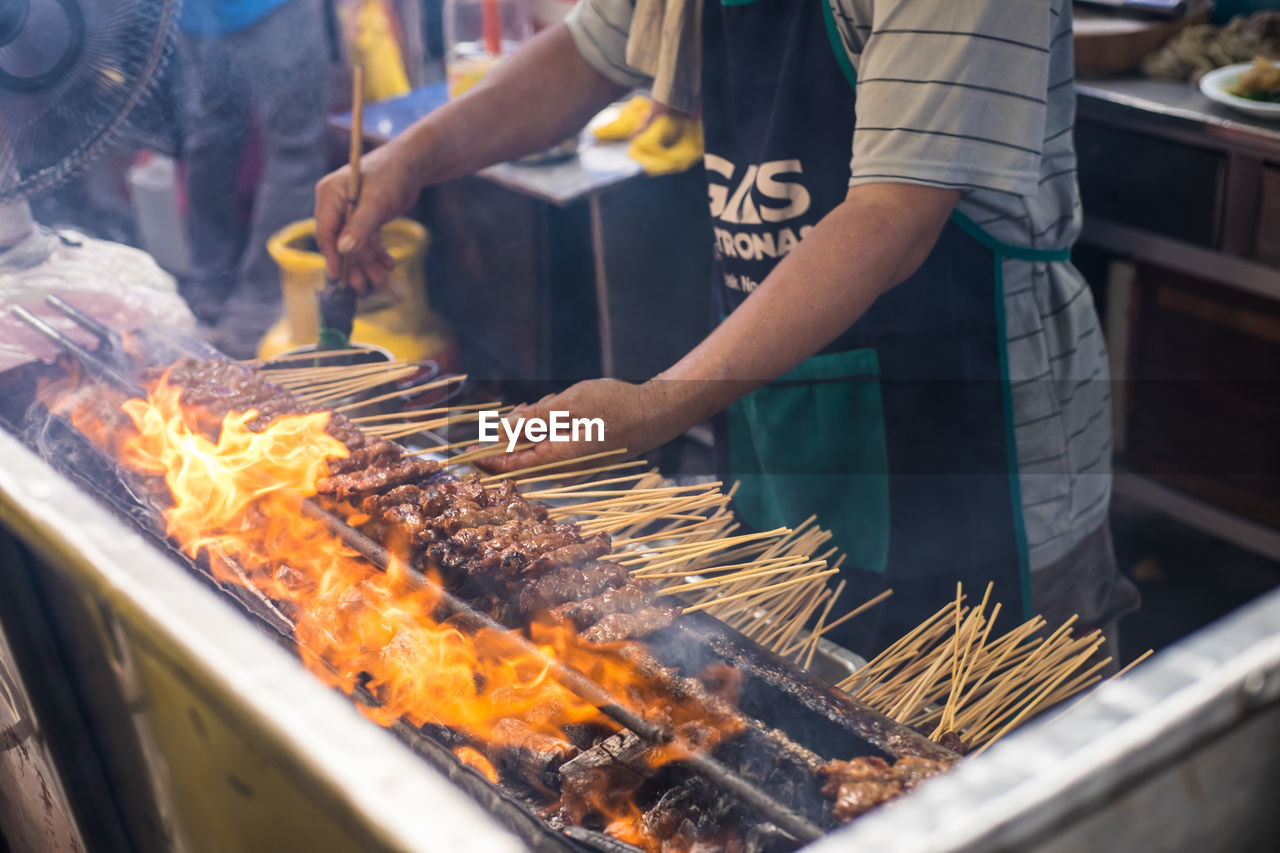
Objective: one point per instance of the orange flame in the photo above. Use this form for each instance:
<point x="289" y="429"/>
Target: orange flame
<point x="472" y="758"/>
<point x="237" y="499"/>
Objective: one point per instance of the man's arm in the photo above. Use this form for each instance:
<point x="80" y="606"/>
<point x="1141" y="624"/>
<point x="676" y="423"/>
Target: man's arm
<point x="538" y="96"/>
<point x="874" y="240"/>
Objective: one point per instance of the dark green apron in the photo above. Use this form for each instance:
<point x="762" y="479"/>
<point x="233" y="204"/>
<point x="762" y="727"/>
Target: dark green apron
<point x="898" y="436"/>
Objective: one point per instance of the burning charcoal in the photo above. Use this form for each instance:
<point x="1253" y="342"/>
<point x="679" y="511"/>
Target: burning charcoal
<point x="612" y="770"/>
<point x="585" y="735"/>
<point x="671" y="811"/>
<point x="767" y="838"/>
<point x="536" y="756"/>
<point x="599" y="841"/>
<point x="692" y="816"/>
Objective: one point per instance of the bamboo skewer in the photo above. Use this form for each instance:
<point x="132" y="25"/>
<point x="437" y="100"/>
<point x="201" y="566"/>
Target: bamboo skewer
<point x="729" y="598"/>
<point x="1139" y="659"/>
<point x="417" y="389"/>
<point x="623" y="497"/>
<point x="802" y="608"/>
<point x="665" y="534"/>
<point x="685" y="548"/>
<point x="723" y="581"/>
<point x="410" y="427"/>
<point x="602" y="469"/>
<point x="861" y="608"/>
<point x="785" y="563"/>
<point x="417" y="413"/>
<point x="441" y="448"/>
<point x="520" y="474"/>
<point x="1034" y="703"/>
<point x="299" y="356"/>
<point x="319" y="379"/>
<point x="484" y="451"/>
<point x="570" y="491"/>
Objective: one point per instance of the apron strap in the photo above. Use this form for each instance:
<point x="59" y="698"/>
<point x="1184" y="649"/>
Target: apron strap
<point x="837" y="46"/>
<point x="1007" y="250"/>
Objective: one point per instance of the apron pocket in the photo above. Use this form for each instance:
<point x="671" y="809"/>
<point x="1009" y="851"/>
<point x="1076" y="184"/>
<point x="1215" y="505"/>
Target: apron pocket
<point x="813" y="443"/>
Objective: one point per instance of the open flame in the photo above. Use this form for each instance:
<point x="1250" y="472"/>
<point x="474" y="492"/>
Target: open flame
<point x="237" y="499"/>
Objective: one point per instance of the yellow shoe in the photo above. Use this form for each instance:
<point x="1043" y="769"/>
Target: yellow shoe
<point x="670" y="144"/>
<point x="631" y="118"/>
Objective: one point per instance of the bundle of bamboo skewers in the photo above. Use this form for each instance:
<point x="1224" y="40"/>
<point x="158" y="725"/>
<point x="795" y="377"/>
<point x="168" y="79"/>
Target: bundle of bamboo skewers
<point x="947" y="677"/>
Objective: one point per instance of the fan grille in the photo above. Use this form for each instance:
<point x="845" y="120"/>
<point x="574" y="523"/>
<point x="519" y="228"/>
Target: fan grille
<point x="68" y="81"/>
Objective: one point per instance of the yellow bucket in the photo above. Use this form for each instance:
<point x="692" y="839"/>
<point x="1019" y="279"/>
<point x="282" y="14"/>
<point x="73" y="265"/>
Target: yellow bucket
<point x="396" y="317"/>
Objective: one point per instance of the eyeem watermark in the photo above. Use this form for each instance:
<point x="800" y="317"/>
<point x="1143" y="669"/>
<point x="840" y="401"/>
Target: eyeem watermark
<point x="558" y="427"/>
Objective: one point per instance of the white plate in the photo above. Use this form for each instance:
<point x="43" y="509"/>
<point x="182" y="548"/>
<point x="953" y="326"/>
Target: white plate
<point x="1215" y="86"/>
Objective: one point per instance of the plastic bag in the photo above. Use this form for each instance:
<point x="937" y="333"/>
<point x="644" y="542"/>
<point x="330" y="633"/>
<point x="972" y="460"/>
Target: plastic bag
<point x="118" y="285"/>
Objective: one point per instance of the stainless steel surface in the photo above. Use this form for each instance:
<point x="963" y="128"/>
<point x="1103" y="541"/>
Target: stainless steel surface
<point x="215" y="693"/>
<point x="1173" y="108"/>
<point x="833" y="664"/>
<point x="1181" y="754"/>
<point x="597" y="167"/>
<point x="1163" y="8"/>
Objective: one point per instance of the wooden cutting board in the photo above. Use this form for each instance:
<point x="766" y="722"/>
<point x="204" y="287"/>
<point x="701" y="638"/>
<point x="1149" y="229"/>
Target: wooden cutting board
<point x="1107" y="43"/>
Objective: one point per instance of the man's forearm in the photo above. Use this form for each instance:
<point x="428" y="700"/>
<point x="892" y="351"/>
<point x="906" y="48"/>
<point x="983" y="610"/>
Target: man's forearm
<point x="874" y="240"/>
<point x="540" y="95"/>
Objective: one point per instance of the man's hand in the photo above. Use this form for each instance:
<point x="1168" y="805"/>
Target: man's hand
<point x="541" y="95"/>
<point x="636" y="417"/>
<point x="388" y="189"/>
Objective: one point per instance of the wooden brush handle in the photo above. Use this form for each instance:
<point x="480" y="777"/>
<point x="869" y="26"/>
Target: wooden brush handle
<point x="354" y="152"/>
<point x="357" y="134"/>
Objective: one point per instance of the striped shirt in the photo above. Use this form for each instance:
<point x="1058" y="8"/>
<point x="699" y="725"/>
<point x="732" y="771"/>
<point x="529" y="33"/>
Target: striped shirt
<point x="977" y="95"/>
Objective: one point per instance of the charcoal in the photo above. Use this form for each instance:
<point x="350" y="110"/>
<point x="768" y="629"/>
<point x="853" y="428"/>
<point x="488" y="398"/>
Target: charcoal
<point x="536" y="756"/>
<point x="615" y="768"/>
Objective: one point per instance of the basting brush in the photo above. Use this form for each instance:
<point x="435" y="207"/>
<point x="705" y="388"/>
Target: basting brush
<point x="338" y="299"/>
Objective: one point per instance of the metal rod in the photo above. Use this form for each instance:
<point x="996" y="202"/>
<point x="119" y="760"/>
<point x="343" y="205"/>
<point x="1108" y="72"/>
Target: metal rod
<point x="108" y="336"/>
<point x="783" y="816"/>
<point x="88" y="360"/>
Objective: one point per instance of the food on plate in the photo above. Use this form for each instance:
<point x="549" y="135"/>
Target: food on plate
<point x="1261" y="82"/>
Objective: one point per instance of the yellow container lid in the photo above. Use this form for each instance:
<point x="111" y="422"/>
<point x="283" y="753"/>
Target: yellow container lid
<point x="293" y="246"/>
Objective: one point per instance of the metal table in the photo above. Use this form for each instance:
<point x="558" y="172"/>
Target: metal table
<point x="1227" y="155"/>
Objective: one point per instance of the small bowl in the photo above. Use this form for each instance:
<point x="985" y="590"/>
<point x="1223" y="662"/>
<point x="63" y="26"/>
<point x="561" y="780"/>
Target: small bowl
<point x="1216" y="86"/>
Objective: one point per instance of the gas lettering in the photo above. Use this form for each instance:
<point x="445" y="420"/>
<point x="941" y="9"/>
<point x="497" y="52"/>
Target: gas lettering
<point x="768" y="192"/>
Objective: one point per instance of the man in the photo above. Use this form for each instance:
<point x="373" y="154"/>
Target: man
<point x="936" y="378"/>
<point x="242" y="60"/>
